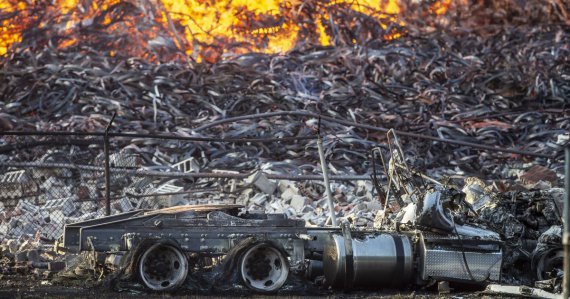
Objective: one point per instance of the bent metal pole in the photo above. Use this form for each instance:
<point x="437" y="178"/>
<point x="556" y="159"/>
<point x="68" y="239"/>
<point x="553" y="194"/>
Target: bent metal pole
<point x="326" y="178"/>
<point x="566" y="234"/>
<point x="107" y="167"/>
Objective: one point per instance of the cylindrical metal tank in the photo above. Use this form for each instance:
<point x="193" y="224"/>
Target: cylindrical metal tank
<point x="383" y="260"/>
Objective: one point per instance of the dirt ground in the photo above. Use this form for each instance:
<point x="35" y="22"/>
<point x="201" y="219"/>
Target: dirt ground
<point x="26" y="286"/>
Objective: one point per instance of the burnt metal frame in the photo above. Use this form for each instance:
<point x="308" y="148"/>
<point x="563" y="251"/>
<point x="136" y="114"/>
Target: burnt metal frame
<point x="566" y="233"/>
<point x="209" y="234"/>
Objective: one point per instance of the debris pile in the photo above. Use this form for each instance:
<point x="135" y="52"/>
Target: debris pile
<point x="27" y="255"/>
<point x="446" y="83"/>
<point x="528" y="221"/>
<point x="523" y="218"/>
<point x="475" y="76"/>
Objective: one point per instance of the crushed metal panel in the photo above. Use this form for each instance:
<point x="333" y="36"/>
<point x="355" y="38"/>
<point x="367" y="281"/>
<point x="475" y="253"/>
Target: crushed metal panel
<point x="13" y="177"/>
<point x="441" y="261"/>
<point x="167" y="188"/>
<point x="16" y="184"/>
<point x="188" y="165"/>
<point x="171" y="199"/>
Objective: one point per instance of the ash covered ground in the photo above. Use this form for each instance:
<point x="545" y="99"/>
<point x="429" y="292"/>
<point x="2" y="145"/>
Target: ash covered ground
<point x="492" y="73"/>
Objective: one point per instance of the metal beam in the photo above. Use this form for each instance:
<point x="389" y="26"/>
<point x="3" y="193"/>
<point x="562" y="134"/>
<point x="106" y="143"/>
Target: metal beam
<point x="566" y="234"/>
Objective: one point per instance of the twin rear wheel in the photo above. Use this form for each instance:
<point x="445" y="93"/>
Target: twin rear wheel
<point x="163" y="267"/>
<point x="263" y="268"/>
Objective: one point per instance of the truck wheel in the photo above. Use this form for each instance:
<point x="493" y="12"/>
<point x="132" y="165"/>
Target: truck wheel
<point x="263" y="268"/>
<point x="547" y="263"/>
<point x="162" y="267"/>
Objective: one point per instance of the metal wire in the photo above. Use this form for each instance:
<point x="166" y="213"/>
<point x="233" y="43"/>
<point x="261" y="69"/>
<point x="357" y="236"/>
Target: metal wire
<point x="372" y="128"/>
<point x="158" y="136"/>
<point x="163" y="174"/>
<point x="270" y="140"/>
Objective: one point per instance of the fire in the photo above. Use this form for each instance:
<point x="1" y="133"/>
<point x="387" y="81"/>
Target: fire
<point x="441" y="7"/>
<point x="208" y="22"/>
<point x="202" y="29"/>
<point x="9" y="32"/>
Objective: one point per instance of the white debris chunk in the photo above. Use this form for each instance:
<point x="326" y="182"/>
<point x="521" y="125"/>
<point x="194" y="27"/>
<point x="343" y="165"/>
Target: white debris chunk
<point x="259" y="199"/>
<point x="26" y="207"/>
<point x="66" y="205"/>
<point x="88" y="206"/>
<point x="188" y="165"/>
<point x="57" y="216"/>
<point x="287" y="185"/>
<point x="123" y="205"/>
<point x="171" y="199"/>
<point x="260" y="181"/>
<point x="3" y="230"/>
<point x="289" y="194"/>
<point x="277" y="207"/>
<point x="364" y="190"/>
<point x="299" y="202"/>
<point x="244" y="196"/>
<point x="522" y="291"/>
<point x="476" y="193"/>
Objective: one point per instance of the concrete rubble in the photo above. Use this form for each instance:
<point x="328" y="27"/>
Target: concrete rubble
<point x="25" y="255"/>
<point x="260" y="181"/>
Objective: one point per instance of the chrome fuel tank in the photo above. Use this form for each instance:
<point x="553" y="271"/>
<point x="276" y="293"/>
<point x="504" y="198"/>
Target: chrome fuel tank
<point x="382" y="260"/>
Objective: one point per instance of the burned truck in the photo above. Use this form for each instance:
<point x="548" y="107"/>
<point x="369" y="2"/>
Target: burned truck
<point x="420" y="244"/>
<point x="167" y="245"/>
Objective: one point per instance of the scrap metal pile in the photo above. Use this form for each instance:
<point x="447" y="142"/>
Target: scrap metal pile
<point x="529" y="223"/>
<point x="494" y="73"/>
<point x="502" y="83"/>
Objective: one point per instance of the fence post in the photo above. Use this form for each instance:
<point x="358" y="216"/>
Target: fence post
<point x="566" y="233"/>
<point x="326" y="176"/>
<point x="107" y="168"/>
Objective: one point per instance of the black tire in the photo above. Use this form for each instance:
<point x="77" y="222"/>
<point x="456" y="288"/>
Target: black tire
<point x="160" y="265"/>
<point x="263" y="268"/>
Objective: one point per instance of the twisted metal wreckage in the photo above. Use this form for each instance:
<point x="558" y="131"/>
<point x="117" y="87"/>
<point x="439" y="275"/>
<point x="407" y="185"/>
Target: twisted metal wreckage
<point x="426" y="232"/>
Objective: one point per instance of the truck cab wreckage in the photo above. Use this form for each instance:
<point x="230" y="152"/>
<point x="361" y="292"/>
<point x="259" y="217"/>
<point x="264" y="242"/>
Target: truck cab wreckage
<point x="166" y="245"/>
<point x="417" y="241"/>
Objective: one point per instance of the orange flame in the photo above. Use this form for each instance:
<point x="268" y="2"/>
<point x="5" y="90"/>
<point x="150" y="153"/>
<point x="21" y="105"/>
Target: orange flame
<point x="10" y="32"/>
<point x="441" y="7"/>
<point x="237" y="21"/>
<point x="203" y="29"/>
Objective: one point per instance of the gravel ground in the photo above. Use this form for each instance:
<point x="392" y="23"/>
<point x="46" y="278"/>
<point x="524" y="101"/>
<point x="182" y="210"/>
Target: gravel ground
<point x="17" y="286"/>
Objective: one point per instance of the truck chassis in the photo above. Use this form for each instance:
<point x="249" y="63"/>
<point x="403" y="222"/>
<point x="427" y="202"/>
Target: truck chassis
<point x="268" y="249"/>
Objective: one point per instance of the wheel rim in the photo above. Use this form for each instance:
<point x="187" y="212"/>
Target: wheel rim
<point x="264" y="268"/>
<point x="163" y="267"/>
<point x="550" y="261"/>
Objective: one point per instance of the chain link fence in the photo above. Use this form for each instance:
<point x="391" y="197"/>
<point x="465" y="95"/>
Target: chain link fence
<point x="50" y="179"/>
<point x="47" y="181"/>
<point x="38" y="200"/>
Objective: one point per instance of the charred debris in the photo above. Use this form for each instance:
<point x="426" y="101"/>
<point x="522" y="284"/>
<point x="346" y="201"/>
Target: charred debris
<point x="440" y="214"/>
<point x="415" y="233"/>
